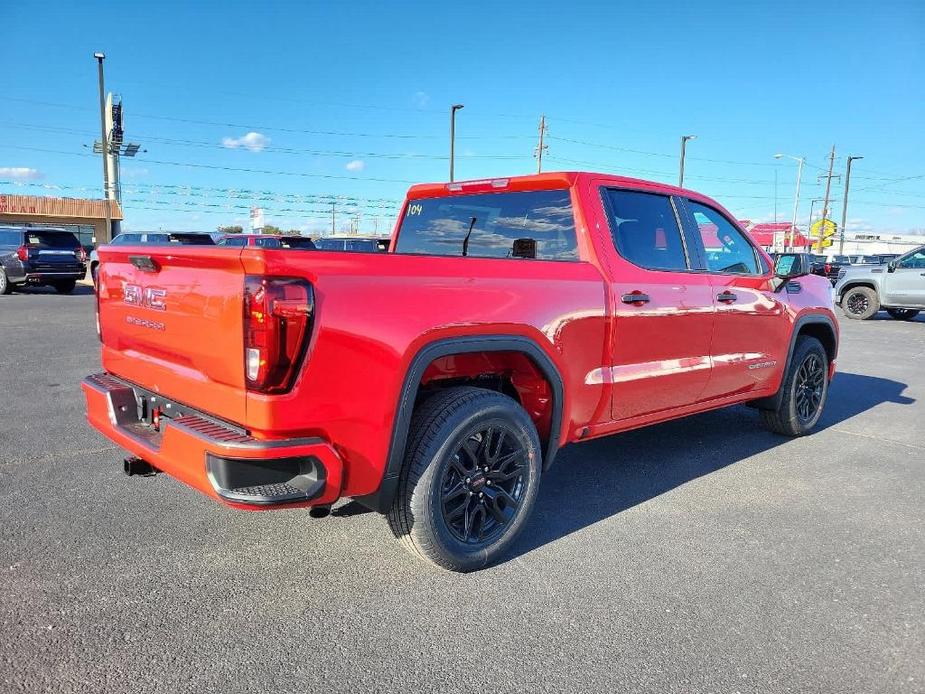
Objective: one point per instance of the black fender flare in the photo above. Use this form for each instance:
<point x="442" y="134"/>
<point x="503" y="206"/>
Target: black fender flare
<point x="773" y="401"/>
<point x="382" y="499"/>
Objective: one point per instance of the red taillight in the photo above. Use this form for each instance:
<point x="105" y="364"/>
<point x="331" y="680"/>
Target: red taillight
<point x="828" y="268"/>
<point x="277" y="322"/>
<point x="22" y="253"/>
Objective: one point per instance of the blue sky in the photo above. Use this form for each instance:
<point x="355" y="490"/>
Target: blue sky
<point x="285" y="104"/>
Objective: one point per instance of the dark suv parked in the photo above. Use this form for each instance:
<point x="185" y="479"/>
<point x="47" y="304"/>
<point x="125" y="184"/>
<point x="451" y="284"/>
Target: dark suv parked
<point x="36" y="256"/>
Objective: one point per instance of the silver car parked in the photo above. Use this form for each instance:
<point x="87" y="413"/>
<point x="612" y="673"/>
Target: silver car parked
<point x="898" y="287"/>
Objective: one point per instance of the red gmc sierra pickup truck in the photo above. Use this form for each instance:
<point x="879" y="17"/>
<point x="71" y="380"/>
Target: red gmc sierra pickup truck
<point x="435" y="383"/>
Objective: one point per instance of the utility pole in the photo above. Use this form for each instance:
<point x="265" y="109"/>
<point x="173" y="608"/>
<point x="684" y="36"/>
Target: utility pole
<point x="453" y="109"/>
<point x="540" y="147"/>
<point x="100" y="57"/>
<point x="333" y="231"/>
<point x="828" y="187"/>
<point x="844" y="208"/>
<point x="684" y="139"/>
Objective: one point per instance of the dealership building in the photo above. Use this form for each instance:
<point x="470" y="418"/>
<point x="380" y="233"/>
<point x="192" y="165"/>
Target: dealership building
<point x="86" y="218"/>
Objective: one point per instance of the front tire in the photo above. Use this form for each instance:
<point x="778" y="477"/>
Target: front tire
<point x="902" y="313"/>
<point x="469" y="482"/>
<point x="804" y="390"/>
<point x="860" y="303"/>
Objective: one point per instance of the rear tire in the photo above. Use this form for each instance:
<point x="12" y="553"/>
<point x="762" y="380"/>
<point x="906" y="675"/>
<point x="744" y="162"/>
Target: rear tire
<point x="803" y="392"/>
<point x="6" y="287"/>
<point x="860" y="303"/>
<point x="902" y="313"/>
<point x="65" y="287"/>
<point x="470" y="478"/>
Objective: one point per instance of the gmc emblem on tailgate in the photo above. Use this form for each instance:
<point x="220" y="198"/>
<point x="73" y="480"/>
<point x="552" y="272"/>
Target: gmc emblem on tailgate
<point x="150" y="297"/>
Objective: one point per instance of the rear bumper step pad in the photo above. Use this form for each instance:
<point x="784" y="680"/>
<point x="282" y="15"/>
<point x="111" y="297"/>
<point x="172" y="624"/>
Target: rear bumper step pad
<point x="219" y="459"/>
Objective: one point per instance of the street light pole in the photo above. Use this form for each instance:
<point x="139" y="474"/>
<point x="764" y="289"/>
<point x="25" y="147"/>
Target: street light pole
<point x="104" y="139"/>
<point x="453" y="109"/>
<point x="684" y="139"/>
<point x="812" y="204"/>
<point x="844" y="208"/>
<point x="796" y="198"/>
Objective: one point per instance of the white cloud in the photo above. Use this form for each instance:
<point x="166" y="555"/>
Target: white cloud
<point x="131" y="173"/>
<point x="356" y="165"/>
<point x="421" y="99"/>
<point x="255" y="142"/>
<point x="20" y="173"/>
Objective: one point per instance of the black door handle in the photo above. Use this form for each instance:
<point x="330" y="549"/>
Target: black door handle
<point x="635" y="298"/>
<point x="726" y="297"/>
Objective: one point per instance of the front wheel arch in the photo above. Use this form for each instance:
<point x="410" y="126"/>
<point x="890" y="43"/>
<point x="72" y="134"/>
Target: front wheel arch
<point x="818" y="326"/>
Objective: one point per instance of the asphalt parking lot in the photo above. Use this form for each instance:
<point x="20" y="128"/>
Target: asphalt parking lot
<point x="703" y="555"/>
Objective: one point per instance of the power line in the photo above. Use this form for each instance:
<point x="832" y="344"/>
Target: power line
<point x="300" y="174"/>
<point x="273" y="128"/>
<point x="274" y="149"/>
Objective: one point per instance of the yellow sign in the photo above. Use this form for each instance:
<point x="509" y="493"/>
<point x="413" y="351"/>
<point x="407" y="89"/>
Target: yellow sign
<point x="822" y="228"/>
<point x="824" y="243"/>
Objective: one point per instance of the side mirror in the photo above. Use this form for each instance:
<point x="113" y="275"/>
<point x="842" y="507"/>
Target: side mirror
<point x="891" y="266"/>
<point x="788" y="267"/>
<point x="792" y="265"/>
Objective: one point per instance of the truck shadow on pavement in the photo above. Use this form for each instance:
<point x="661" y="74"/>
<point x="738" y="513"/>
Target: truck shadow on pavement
<point x="592" y="481"/>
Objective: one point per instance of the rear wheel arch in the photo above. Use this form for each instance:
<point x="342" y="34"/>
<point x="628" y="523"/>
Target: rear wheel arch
<point x="382" y="499"/>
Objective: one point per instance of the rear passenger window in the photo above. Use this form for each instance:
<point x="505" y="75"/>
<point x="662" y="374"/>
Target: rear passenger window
<point x="645" y="230"/>
<point x="725" y="247"/>
<point x="535" y="224"/>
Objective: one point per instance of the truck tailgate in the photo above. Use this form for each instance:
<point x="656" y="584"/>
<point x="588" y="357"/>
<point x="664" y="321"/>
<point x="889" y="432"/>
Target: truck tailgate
<point x="171" y="321"/>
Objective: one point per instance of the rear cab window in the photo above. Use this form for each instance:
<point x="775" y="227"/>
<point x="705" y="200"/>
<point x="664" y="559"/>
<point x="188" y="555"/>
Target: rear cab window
<point x="297" y="242"/>
<point x="532" y="224"/>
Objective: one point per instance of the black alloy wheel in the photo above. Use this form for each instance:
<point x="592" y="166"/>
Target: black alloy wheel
<point x="858" y="303"/>
<point x="483" y="485"/>
<point x="798" y="405"/>
<point x="809" y="387"/>
<point x="470" y="477"/>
